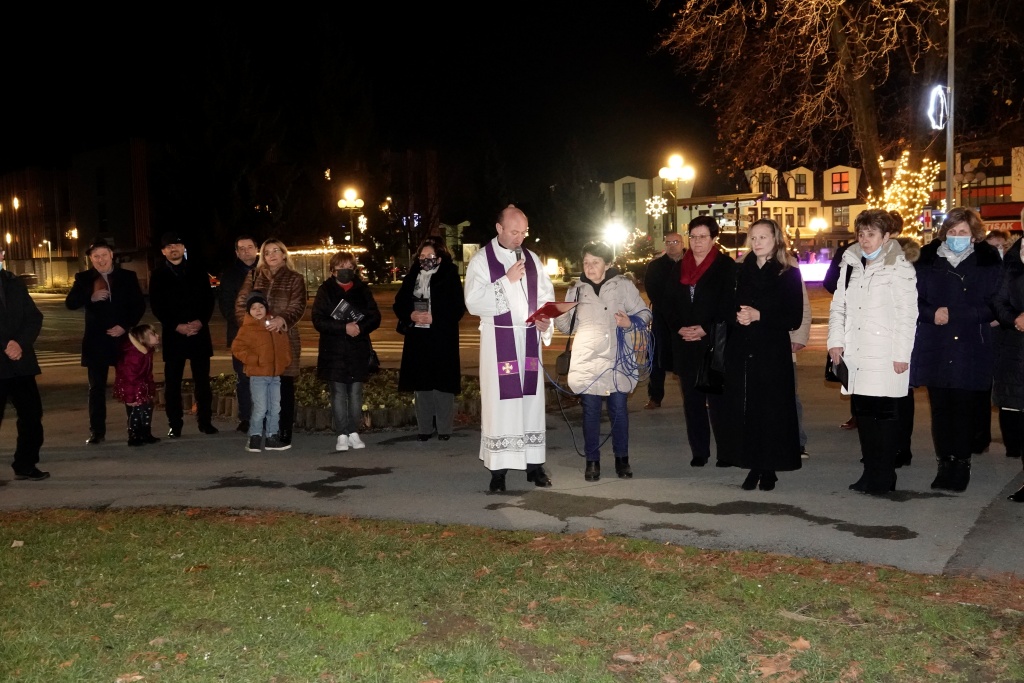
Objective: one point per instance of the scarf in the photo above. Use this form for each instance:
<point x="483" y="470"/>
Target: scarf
<point x="954" y="259"/>
<point x="690" y="272"/>
<point x="507" y="361"/>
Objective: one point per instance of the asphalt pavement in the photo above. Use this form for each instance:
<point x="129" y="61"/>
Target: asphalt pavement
<point x="810" y="514"/>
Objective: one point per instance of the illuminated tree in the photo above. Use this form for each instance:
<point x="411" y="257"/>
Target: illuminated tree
<point x="809" y="81"/>
<point x="908" y="190"/>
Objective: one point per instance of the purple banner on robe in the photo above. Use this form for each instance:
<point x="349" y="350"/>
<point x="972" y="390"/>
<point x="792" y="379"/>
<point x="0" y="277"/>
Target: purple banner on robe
<point x="507" y="360"/>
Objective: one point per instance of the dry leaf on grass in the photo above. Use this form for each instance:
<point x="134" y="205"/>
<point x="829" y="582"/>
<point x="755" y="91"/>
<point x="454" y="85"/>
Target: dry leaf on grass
<point x="799" y="617"/>
<point x="483" y="571"/>
<point x="769" y="666"/>
<point x="158" y="641"/>
<point x="693" y="667"/>
<point x="800" y="644"/>
<point x="669" y="678"/>
<point x="38" y="584"/>
<point x="129" y="678"/>
<point x="17" y="544"/>
<point x="594" y="535"/>
<point x="627" y="656"/>
<point x="197" y="568"/>
<point x="851" y="674"/>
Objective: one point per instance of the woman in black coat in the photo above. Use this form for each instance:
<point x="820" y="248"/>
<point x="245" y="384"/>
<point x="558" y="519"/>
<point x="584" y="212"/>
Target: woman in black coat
<point x="345" y="313"/>
<point x="958" y="275"/>
<point x="429" y="306"/>
<point x="701" y="297"/>
<point x="1008" y="382"/>
<point x="762" y="432"/>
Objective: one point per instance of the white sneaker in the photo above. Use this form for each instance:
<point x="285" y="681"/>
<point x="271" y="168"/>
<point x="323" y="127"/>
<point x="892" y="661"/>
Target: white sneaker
<point x="342" y="444"/>
<point x="354" y="441"/>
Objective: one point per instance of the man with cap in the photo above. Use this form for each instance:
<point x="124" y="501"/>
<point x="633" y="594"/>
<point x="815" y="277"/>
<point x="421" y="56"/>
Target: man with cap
<point x="183" y="301"/>
<point x="113" y="304"/>
<point x="241" y="269"/>
<point x="20" y="323"/>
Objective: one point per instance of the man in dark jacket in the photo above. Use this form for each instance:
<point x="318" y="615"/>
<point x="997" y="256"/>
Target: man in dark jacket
<point x="113" y="305"/>
<point x="20" y="323"/>
<point x="661" y="272"/>
<point x="242" y="268"/>
<point x="182" y="301"/>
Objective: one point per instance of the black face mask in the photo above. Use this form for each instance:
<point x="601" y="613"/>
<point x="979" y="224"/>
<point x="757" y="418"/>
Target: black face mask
<point x="344" y="275"/>
<point x="429" y="263"/>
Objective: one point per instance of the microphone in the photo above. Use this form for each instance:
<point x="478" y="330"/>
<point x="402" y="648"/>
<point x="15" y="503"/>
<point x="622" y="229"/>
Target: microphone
<point x="519" y="254"/>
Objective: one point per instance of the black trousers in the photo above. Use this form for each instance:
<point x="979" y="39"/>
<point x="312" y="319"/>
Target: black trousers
<point x="174" y="369"/>
<point x="287" y="405"/>
<point x="661" y="361"/>
<point x="705" y="413"/>
<point x="98" y="398"/>
<point x="23" y="393"/>
<point x="955" y="418"/>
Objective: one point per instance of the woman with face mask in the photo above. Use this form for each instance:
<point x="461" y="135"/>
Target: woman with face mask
<point x="958" y="275"/>
<point x="345" y="313"/>
<point x="429" y="306"/>
<point x="871" y="330"/>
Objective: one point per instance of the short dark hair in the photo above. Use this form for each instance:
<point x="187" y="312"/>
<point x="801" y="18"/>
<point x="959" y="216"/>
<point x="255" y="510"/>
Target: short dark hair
<point x="708" y="222"/>
<point x="342" y="257"/>
<point x="437" y="244"/>
<point x="599" y="249"/>
<point x="246" y="237"/>
<point x="879" y="219"/>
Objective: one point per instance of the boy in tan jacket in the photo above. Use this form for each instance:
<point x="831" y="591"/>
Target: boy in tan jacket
<point x="265" y="355"/>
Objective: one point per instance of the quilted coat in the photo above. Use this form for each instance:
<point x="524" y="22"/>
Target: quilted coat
<point x="264" y="353"/>
<point x="286" y="298"/>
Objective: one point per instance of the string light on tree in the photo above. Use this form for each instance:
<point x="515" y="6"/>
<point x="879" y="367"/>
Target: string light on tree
<point x="908" y="191"/>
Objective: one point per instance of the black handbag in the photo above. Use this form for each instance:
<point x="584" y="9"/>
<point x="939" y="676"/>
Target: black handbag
<point x="711" y="371"/>
<point x="837" y="373"/>
<point x="374" y="361"/>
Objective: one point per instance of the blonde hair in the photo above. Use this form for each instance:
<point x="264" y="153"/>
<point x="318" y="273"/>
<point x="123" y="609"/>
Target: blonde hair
<point x="780" y="252"/>
<point x="139" y="332"/>
<point x="273" y="241"/>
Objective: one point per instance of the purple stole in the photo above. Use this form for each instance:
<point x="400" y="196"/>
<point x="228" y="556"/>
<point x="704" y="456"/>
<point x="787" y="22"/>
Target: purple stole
<point x="505" y="337"/>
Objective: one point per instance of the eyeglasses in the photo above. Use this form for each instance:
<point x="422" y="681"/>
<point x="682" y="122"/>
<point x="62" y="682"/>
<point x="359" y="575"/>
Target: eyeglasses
<point x="274" y="250"/>
<point x="673" y="241"/>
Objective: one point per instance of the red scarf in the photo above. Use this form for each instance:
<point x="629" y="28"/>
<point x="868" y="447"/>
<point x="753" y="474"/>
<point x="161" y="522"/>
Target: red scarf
<point x="691" y="272"/>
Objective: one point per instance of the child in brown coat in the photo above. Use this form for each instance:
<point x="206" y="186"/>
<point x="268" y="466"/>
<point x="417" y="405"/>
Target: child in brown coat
<point x="266" y="355"/>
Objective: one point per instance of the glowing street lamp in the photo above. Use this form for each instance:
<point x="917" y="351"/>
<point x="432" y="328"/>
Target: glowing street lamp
<point x="350" y="200"/>
<point x="615" y="233"/>
<point x="674" y="172"/>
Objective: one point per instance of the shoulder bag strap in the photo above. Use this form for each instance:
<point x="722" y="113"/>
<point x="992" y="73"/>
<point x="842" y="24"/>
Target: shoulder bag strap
<point x="572" y="321"/>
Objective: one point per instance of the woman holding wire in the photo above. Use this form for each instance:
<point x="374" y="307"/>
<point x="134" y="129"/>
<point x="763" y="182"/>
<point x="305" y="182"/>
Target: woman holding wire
<point x="608" y="318"/>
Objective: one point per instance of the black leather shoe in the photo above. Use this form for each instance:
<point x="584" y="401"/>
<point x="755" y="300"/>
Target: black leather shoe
<point x="622" y="468"/>
<point x="94" y="439"/>
<point x="149" y="438"/>
<point x="539" y="477"/>
<point x="443" y="437"/>
<point x="35" y="474"/>
<point x="174" y="432"/>
<point x="722" y="463"/>
<point x="423" y="437"/>
<point x="750" y="483"/>
<point x="208" y="429"/>
<point x="243" y="427"/>
<point x="1017" y="497"/>
<point x="593" y="472"/>
<point x="497" y="480"/>
<point x="699" y="462"/>
<point x="767" y="481"/>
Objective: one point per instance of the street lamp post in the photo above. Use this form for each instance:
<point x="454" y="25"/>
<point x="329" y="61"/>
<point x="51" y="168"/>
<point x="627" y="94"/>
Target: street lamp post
<point x="49" y="259"/>
<point x="674" y="172"/>
<point x="350" y="200"/>
<point x="615" y="233"/>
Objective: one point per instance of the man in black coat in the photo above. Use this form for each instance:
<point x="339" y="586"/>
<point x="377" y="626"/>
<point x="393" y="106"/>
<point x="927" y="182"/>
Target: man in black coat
<point x="113" y="305"/>
<point x="661" y="273"/>
<point x="182" y="301"/>
<point x="242" y="268"/>
<point x="20" y="323"/>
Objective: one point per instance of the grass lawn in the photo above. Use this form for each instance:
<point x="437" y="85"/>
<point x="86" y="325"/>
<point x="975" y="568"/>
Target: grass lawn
<point x="204" y="595"/>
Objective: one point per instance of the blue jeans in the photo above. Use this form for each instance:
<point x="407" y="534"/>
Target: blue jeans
<point x="266" y="403"/>
<point x="347" y="403"/>
<point x="619" y="418"/>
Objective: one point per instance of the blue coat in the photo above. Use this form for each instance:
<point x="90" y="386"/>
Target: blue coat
<point x="958" y="355"/>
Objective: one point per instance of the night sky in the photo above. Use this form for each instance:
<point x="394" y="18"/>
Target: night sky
<point x="530" y="75"/>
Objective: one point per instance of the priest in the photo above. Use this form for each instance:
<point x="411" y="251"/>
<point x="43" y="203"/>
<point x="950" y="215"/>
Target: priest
<point x="505" y="284"/>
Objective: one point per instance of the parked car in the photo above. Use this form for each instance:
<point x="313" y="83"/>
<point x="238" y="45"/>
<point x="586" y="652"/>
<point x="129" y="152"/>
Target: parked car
<point x="30" y="279"/>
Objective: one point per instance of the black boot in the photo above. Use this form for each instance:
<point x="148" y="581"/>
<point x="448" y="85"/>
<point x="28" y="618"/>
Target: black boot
<point x="498" y="480"/>
<point x="1017" y="497"/>
<point x="942" y="477"/>
<point x="867" y="434"/>
<point x="960" y="474"/>
<point x="767" y="480"/>
<point x="593" y="472"/>
<point x="880" y="468"/>
<point x="285" y="437"/>
<point x="623" y="469"/>
<point x="750" y="483"/>
<point x="538" y="476"/>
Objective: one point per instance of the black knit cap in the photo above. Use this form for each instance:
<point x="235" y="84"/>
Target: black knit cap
<point x="170" y="238"/>
<point x="256" y="297"/>
<point x="98" y="243"/>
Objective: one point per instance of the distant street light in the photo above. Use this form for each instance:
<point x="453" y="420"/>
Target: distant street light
<point x="49" y="258"/>
<point x="615" y="233"/>
<point x="674" y="172"/>
<point x="350" y="200"/>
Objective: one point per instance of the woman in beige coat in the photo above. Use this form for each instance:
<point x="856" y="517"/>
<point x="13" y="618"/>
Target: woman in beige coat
<point x="285" y="290"/>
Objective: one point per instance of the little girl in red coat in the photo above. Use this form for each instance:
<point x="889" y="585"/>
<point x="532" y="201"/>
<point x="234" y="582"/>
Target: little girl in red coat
<point x="133" y="382"/>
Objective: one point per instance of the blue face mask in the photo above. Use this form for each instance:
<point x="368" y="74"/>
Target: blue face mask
<point x="957" y="244"/>
<point x="873" y="255"/>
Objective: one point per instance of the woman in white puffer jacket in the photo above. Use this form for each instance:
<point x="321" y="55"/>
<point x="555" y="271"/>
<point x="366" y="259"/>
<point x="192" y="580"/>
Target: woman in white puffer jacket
<point x="607" y="301"/>
<point x="872" y="322"/>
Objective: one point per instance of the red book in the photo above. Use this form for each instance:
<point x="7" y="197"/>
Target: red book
<point x="550" y="310"/>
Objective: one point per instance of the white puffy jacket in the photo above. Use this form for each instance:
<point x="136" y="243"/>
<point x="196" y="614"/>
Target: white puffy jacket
<point x="593" y="368"/>
<point x="873" y="318"/>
